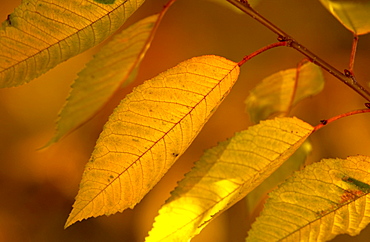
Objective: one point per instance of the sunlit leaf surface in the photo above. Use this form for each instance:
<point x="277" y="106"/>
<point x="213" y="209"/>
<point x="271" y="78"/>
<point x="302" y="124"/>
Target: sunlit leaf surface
<point x="148" y="131"/>
<point x="105" y="1"/>
<point x="294" y="163"/>
<point x="276" y="94"/>
<point x="323" y="200"/>
<point x="38" y="35"/>
<point x="113" y="65"/>
<point x="225" y="174"/>
<point x="353" y="14"/>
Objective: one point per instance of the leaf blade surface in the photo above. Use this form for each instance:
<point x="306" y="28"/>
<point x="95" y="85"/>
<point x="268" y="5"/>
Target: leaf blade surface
<point x="113" y="65"/>
<point x="39" y="35"/>
<point x="294" y="163"/>
<point x="352" y="14"/>
<point x="148" y="131"/>
<point x="325" y="199"/>
<point x="225" y="174"/>
<point x="276" y="94"/>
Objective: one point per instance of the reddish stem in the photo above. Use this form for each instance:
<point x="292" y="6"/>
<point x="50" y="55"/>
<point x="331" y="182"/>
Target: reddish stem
<point x="327" y="121"/>
<point x="257" y="52"/>
<point x="167" y="5"/>
<point x="298" y="70"/>
<point x="353" y="53"/>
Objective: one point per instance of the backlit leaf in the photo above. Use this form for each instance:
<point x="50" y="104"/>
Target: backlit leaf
<point x="225" y="174"/>
<point x="325" y="199"/>
<point x="113" y="65"/>
<point x="276" y="94"/>
<point x="353" y="14"/>
<point x="294" y="163"/>
<point x="38" y="35"/>
<point x="105" y="1"/>
<point x="147" y="133"/>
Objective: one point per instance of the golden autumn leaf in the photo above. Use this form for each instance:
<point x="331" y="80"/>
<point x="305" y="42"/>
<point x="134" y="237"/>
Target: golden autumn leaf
<point x="105" y="1"/>
<point x="225" y="174"/>
<point x="114" y="65"/>
<point x="316" y="204"/>
<point x="38" y="35"/>
<point x="148" y="131"/>
<point x="353" y="14"/>
<point x="294" y="163"/>
<point x="277" y="93"/>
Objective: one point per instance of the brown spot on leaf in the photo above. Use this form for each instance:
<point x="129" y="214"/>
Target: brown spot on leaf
<point x="350" y="195"/>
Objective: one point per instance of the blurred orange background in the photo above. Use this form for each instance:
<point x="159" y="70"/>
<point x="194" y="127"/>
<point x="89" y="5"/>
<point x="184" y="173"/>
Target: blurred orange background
<point x="37" y="188"/>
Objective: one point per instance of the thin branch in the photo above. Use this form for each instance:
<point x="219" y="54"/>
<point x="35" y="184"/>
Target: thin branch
<point x="296" y="80"/>
<point x="346" y="78"/>
<point x="327" y="121"/>
<point x="257" y="52"/>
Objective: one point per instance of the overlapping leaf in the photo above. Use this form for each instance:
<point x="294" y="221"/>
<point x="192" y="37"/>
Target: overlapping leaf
<point x="276" y="94"/>
<point x="294" y="163"/>
<point x="325" y="199"/>
<point x="148" y="131"/>
<point x="353" y="14"/>
<point x="38" y="35"/>
<point x="113" y="65"/>
<point x="225" y="174"/>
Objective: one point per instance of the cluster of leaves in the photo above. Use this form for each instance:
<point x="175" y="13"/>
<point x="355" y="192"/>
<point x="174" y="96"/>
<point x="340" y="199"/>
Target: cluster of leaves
<point x="154" y="125"/>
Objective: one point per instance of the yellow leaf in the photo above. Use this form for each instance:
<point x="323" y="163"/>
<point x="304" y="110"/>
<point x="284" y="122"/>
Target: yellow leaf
<point x="353" y="14"/>
<point x="41" y="34"/>
<point x="225" y="174"/>
<point x="276" y="94"/>
<point x="114" y="64"/>
<point x="294" y="163"/>
<point x="105" y="1"/>
<point x="325" y="199"/>
<point x="148" y="131"/>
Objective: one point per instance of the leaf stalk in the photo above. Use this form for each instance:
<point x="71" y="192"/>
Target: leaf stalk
<point x="327" y="121"/>
<point x="257" y="52"/>
<point x="353" y="53"/>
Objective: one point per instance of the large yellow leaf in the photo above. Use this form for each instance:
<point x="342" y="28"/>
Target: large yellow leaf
<point x="225" y="174"/>
<point x="353" y="14"/>
<point x="148" y="131"/>
<point x="276" y="94"/>
<point x="113" y="65"/>
<point x="325" y="199"/>
<point x="41" y="34"/>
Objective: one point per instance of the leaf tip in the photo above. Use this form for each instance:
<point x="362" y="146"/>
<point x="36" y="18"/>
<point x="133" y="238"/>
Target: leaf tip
<point x="69" y="222"/>
<point x="48" y="144"/>
<point x="73" y="218"/>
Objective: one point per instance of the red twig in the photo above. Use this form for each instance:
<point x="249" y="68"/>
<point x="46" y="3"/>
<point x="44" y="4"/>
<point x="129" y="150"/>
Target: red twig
<point x="327" y="121"/>
<point x="257" y="52"/>
<point x="353" y="53"/>
<point x="167" y="5"/>
<point x="299" y="66"/>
